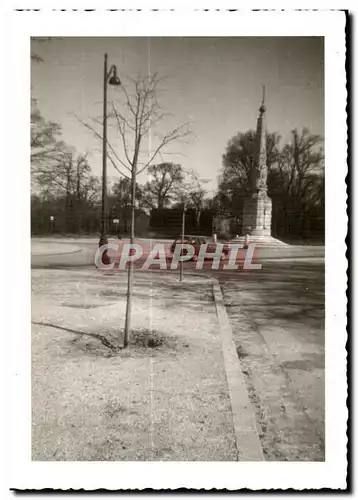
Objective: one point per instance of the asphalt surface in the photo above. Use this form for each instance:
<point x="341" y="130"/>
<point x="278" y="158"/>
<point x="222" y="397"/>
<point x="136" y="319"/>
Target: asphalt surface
<point x="87" y="248"/>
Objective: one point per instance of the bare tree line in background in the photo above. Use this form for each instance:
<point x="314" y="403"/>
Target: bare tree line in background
<point x="64" y="187"/>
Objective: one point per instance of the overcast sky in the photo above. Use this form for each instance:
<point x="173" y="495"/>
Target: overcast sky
<point x="215" y="83"/>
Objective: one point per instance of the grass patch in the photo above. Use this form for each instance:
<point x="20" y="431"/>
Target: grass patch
<point x="150" y="339"/>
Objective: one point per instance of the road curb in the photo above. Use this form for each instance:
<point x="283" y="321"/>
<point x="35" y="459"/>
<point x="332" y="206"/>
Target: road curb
<point x="54" y="254"/>
<point x="246" y="434"/>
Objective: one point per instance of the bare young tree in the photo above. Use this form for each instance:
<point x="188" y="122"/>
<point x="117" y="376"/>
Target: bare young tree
<point x="139" y="119"/>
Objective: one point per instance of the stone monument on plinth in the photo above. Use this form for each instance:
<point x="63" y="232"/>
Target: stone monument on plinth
<point x="258" y="208"/>
<point x="257" y="213"/>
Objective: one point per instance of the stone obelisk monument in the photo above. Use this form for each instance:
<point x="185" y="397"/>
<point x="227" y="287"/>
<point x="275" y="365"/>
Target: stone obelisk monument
<point x="258" y="208"/>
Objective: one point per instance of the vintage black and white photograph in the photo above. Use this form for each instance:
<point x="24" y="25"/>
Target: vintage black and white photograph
<point x="178" y="239"/>
<point x="197" y="150"/>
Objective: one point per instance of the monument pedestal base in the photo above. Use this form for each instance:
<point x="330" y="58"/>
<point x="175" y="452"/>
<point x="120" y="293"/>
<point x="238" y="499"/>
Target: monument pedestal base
<point x="257" y="215"/>
<point x="260" y="242"/>
<point x="257" y="221"/>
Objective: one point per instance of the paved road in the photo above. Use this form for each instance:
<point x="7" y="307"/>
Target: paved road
<point x="89" y="247"/>
<point x="277" y="316"/>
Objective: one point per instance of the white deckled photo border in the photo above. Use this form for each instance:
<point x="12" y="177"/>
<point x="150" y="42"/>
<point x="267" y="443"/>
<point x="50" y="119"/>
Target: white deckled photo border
<point x="26" y="474"/>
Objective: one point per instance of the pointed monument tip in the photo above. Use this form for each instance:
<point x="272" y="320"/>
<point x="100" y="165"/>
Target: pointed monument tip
<point x="263" y="107"/>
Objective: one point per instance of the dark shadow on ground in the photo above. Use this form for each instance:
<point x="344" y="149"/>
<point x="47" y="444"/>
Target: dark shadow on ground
<point x="277" y="318"/>
<point x="292" y="293"/>
<point x="97" y="336"/>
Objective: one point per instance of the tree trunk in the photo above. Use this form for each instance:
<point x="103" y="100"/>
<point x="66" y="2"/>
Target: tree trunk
<point x="197" y="218"/>
<point x="67" y="209"/>
<point x="127" y="328"/>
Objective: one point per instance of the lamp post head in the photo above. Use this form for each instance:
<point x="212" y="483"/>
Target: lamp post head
<point x="114" y="80"/>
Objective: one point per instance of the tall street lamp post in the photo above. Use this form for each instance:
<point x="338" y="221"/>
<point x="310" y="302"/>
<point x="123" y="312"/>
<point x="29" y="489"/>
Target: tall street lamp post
<point x="111" y="78"/>
<point x="52" y="218"/>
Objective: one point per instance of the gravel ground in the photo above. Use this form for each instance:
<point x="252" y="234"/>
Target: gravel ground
<point x="165" y="397"/>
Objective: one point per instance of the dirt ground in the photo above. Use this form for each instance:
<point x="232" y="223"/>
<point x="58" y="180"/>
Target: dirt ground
<point x="166" y="396"/>
<point x="163" y="398"/>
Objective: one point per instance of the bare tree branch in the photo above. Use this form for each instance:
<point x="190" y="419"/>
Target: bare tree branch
<point x="111" y="148"/>
<point x="176" y="134"/>
<point x="116" y="167"/>
<point x="97" y="134"/>
<point x="122" y="133"/>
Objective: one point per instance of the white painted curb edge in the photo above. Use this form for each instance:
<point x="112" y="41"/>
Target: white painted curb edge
<point x="246" y="434"/>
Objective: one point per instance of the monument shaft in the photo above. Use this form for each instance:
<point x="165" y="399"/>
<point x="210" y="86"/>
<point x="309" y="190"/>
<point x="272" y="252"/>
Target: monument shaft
<point x="258" y="208"/>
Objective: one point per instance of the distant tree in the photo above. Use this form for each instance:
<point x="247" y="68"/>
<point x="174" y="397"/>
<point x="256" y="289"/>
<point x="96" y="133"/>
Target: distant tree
<point x="163" y="186"/>
<point x="194" y="194"/>
<point x="298" y="180"/>
<point x="120" y="201"/>
<point x="298" y="161"/>
<point x="121" y="191"/>
<point x="46" y="143"/>
<point x="62" y="182"/>
<point x="235" y="182"/>
<point x="46" y="140"/>
<point x="295" y="178"/>
<point x="69" y="176"/>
